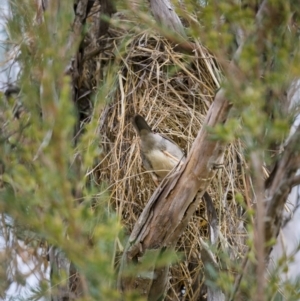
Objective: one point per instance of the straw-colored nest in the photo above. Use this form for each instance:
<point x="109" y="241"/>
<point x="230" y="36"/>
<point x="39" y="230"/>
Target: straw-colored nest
<point x="173" y="91"/>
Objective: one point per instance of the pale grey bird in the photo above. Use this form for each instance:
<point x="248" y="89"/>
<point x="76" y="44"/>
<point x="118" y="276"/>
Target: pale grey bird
<point x="159" y="153"/>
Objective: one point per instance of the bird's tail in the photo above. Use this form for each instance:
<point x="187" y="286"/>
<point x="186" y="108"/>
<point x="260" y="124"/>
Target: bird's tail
<point x="140" y="124"/>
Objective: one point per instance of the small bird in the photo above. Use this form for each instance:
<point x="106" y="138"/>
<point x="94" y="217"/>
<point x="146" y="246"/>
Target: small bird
<point x="159" y="153"/>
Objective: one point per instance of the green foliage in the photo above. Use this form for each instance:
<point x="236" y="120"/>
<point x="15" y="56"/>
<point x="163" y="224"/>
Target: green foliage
<point x="44" y="167"/>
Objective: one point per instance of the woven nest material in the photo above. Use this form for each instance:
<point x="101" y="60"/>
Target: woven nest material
<point x="173" y="91"/>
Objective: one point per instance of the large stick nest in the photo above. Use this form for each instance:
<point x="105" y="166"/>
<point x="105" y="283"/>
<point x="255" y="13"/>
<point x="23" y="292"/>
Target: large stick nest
<point x="173" y="91"/>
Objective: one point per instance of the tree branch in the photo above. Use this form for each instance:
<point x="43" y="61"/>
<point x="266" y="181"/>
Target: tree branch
<point x="283" y="180"/>
<point x="173" y="203"/>
<point x="165" y="15"/>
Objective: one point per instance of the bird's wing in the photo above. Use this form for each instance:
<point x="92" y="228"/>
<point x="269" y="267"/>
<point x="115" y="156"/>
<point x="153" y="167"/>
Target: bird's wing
<point x="174" y="158"/>
<point x="176" y="151"/>
<point x="167" y="138"/>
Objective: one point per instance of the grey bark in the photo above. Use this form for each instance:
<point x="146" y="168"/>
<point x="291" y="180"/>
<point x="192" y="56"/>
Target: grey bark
<point x="163" y="12"/>
<point x="207" y="256"/>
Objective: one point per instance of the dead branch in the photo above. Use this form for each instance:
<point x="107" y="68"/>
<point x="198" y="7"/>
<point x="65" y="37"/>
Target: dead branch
<point x="165" y="15"/>
<point x="171" y="206"/>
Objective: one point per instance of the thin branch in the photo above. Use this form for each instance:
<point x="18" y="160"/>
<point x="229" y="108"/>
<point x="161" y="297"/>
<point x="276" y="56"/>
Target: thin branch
<point x="259" y="237"/>
<point x="80" y="17"/>
<point x="284" y="179"/>
<point x="239" y="277"/>
<point x="293" y="182"/>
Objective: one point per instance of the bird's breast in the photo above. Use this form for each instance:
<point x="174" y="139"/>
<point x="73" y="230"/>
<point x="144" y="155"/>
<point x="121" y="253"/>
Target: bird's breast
<point x="161" y="164"/>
